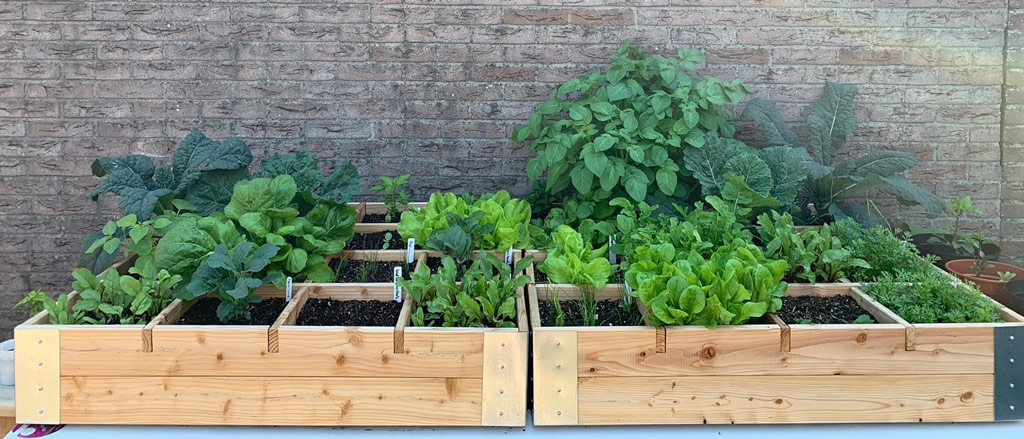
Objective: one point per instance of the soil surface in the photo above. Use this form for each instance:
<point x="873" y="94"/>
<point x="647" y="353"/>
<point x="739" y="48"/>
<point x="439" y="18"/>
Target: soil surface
<point x="328" y="312"/>
<point x="375" y="241"/>
<point x="609" y="313"/>
<point x="539" y="277"/>
<point x="354" y="270"/>
<point x="820" y="310"/>
<point x="435" y="263"/>
<point x="377" y="218"/>
<point x="204" y="312"/>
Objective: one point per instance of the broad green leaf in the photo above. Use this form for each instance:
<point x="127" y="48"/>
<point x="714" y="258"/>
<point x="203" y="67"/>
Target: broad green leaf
<point x="666" y="180"/>
<point x="832" y="121"/>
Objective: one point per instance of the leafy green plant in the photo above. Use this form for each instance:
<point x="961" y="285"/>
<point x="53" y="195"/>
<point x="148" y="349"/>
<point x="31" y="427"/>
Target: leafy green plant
<point x="459" y="239"/>
<point x="202" y="171"/>
<point x="312" y="188"/>
<point x="734" y="285"/>
<point x="1006" y="276"/>
<point x="932" y="298"/>
<point x="58" y="310"/>
<point x="774" y="175"/>
<point x="952" y="234"/>
<point x="266" y="209"/>
<point x="495" y="222"/>
<point x="393" y="195"/>
<point x="813" y="255"/>
<point x="231" y="274"/>
<point x="830" y="179"/>
<point x="886" y="251"/>
<point x="623" y="132"/>
<point x="485" y="297"/>
<point x="571" y="260"/>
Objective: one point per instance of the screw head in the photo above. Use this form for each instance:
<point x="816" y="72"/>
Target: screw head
<point x="558" y="413"/>
<point x="1012" y="385"/>
<point x="40" y="364"/>
<point x="1012" y="338"/>
<point x="558" y="366"/>
<point x="40" y="412"/>
<point x="558" y="343"/>
<point x="502" y="344"/>
<point x="501" y="413"/>
<point x="1012" y="361"/>
<point x="559" y="390"/>
<point x="1013" y="408"/>
<point x="501" y="391"/>
<point x="502" y="367"/>
<point x="40" y="388"/>
<point x="40" y="341"/>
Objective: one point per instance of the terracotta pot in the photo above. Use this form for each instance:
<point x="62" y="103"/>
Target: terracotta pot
<point x="988" y="282"/>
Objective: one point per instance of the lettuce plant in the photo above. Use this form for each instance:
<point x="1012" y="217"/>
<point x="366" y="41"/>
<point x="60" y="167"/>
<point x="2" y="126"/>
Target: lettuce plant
<point x="484" y="297"/>
<point x="813" y="255"/>
<point x="731" y="287"/>
<point x="624" y="132"/>
<point x="831" y="179"/>
<point x="571" y="260"/>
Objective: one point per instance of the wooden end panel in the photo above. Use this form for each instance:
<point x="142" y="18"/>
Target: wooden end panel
<point x="90" y="350"/>
<point x="963" y="349"/>
<point x="784" y="400"/>
<point x="504" y="379"/>
<point x="271" y="401"/>
<point x="555" y="377"/>
<point x="441" y="352"/>
<point x="37" y="374"/>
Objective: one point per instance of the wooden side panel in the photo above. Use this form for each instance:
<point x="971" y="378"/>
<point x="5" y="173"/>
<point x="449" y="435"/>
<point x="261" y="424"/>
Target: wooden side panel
<point x="620" y="352"/>
<point x="271" y="401"/>
<point x="88" y="350"/>
<point x="554" y="378"/>
<point x="963" y="348"/>
<point x="852" y="350"/>
<point x="364" y="352"/>
<point x="504" y="379"/>
<point x="37" y="378"/>
<point x="803" y="399"/>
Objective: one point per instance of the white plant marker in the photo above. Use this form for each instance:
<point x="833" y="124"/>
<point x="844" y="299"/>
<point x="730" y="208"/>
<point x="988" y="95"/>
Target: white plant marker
<point x="397" y="288"/>
<point x="410" y="251"/>
<point x="288" y="289"/>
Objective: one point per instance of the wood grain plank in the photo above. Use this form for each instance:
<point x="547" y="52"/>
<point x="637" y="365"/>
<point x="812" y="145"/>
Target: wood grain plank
<point x="504" y="379"/>
<point x="37" y="380"/>
<point x="271" y="401"/>
<point x="617" y="351"/>
<point x="555" y="377"/>
<point x="805" y="399"/>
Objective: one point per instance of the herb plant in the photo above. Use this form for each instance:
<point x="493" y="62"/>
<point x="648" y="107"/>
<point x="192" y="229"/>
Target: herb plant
<point x="58" y="310"/>
<point x="231" y="274"/>
<point x="830" y="179"/>
<point x="623" y="132"/>
<point x="393" y="195"/>
<point x="953" y="235"/>
<point x="813" y="255"/>
<point x="485" y="297"/>
<point x="885" y="251"/>
<point x="932" y="299"/>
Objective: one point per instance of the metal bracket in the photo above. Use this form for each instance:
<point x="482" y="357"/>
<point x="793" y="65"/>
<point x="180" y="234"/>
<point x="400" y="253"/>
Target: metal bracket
<point x="1009" y="373"/>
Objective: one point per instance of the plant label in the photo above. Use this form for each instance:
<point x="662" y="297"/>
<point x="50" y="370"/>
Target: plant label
<point x="508" y="256"/>
<point x="410" y="250"/>
<point x="397" y="288"/>
<point x="288" y="289"/>
<point x="629" y="291"/>
<point x="611" y="253"/>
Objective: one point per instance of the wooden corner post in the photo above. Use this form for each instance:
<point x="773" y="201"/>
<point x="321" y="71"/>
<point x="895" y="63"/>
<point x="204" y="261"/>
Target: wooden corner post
<point x="503" y="402"/>
<point x="37" y="382"/>
<point x="555" y="364"/>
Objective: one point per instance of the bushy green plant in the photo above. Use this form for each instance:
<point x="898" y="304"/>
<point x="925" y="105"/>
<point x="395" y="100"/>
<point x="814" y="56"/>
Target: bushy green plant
<point x="623" y="132"/>
<point x="231" y="274"/>
<point x="731" y="287"/>
<point x="495" y="222"/>
<point x="952" y="234"/>
<point x="571" y="260"/>
<point x="392" y="195"/>
<point x="830" y="179"/>
<point x="110" y="297"/>
<point x="484" y="297"/>
<point x="746" y="176"/>
<point x="932" y="298"/>
<point x="813" y="255"/>
<point x="887" y="252"/>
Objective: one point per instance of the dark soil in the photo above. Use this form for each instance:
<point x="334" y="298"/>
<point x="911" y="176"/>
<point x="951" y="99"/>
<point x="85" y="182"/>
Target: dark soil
<point x="376" y="218"/>
<point x="609" y="313"/>
<point x="375" y="241"/>
<point x="204" y="312"/>
<point x="375" y="271"/>
<point x="820" y="310"/>
<point x="435" y="263"/>
<point x="539" y="277"/>
<point x="327" y="312"/>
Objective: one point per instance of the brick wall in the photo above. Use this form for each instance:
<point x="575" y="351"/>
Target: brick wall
<point x="433" y="87"/>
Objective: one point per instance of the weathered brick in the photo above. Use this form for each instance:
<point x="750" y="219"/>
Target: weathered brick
<point x="535" y="16"/>
<point x="603" y="17"/>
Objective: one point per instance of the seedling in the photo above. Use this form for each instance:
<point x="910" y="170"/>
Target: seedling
<point x="1006" y="276"/>
<point x="393" y="195"/>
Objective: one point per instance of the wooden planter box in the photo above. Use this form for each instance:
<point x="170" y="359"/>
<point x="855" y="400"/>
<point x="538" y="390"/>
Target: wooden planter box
<point x="369" y="207"/>
<point x="776" y="373"/>
<point x="282" y="374"/>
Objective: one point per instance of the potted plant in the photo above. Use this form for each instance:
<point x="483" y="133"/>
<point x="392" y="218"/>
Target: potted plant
<point x="952" y="241"/>
<point x="990" y="276"/>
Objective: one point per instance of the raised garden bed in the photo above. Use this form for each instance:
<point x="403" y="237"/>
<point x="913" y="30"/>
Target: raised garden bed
<point x="277" y="374"/>
<point x="889" y="371"/>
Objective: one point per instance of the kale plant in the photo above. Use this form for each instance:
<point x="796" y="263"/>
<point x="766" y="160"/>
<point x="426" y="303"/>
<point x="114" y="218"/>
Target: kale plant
<point x="831" y="179"/>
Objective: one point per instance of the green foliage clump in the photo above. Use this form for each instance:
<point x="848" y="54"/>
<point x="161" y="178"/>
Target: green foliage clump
<point x="731" y="287"/>
<point x="813" y="255"/>
<point x="571" y="260"/>
<point x="885" y="251"/>
<point x="932" y="298"/>
<point x="232" y="275"/>
<point x="830" y="179"/>
<point x="485" y="296"/>
<point x="495" y="222"/>
<point x="625" y="131"/>
<point x="392" y="194"/>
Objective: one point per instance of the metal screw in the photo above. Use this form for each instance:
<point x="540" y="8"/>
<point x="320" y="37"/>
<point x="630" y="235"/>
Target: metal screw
<point x="1012" y="361"/>
<point x="1012" y="385"/>
<point x="501" y="391"/>
<point x="40" y="389"/>
<point x="502" y="367"/>
<point x="1012" y="408"/>
<point x="559" y="390"/>
<point x="40" y="364"/>
<point x="559" y="366"/>
<point x="502" y="344"/>
<point x="558" y="343"/>
<point x="40" y="341"/>
<point x="501" y="413"/>
<point x="40" y="412"/>
<point x="559" y="413"/>
<point x="1012" y="338"/>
